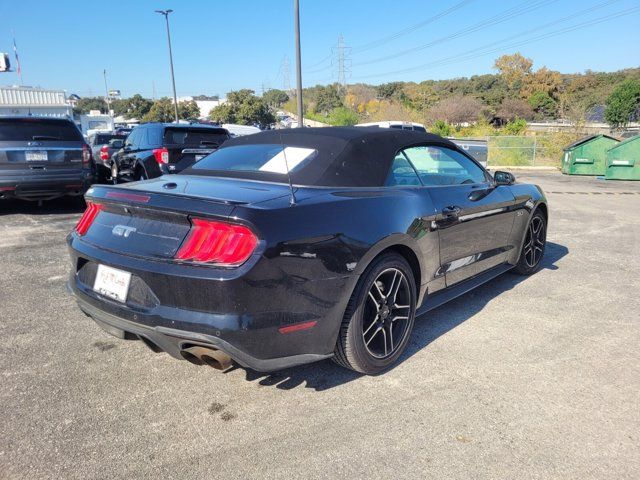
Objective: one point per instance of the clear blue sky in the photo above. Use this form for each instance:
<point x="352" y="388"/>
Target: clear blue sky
<point x="223" y="45"/>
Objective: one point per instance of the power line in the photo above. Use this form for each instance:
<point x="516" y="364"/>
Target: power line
<point x="412" y="28"/>
<point x="474" y="53"/>
<point x="502" y="17"/>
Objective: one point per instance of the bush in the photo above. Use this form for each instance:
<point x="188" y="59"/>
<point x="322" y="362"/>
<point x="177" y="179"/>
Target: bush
<point x="442" y="128"/>
<point x="342" y="116"/>
<point x="515" y="127"/>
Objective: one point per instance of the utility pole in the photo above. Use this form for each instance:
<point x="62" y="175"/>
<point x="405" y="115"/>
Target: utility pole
<point x="296" y="16"/>
<point x="173" y="79"/>
<point x="106" y="91"/>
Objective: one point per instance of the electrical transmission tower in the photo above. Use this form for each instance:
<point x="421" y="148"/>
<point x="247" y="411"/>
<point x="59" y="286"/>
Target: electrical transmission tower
<point x="285" y="71"/>
<point x="342" y="55"/>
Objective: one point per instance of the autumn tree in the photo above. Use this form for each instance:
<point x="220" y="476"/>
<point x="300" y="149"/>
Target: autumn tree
<point x="162" y="111"/>
<point x="513" y="69"/>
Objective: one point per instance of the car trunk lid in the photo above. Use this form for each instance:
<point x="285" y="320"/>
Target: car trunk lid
<point x="151" y="219"/>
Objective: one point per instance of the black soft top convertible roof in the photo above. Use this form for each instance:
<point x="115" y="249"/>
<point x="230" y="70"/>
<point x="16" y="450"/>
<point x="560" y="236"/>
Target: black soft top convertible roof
<point x="347" y="156"/>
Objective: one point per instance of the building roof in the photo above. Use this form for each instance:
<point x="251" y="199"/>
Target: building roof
<point x="587" y="139"/>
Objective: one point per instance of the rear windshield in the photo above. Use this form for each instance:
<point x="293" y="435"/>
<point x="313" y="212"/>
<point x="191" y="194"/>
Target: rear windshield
<point x="13" y="130"/>
<point x="194" y="137"/>
<point x="103" y="139"/>
<point x="268" y="158"/>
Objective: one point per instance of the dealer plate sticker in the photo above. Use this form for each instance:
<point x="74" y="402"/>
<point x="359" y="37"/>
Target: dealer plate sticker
<point x="112" y="283"/>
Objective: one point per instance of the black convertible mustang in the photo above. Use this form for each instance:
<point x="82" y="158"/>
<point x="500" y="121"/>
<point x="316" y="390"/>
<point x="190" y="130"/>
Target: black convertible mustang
<point x="292" y="246"/>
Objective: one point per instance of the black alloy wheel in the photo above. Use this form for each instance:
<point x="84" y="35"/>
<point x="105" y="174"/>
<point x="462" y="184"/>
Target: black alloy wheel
<point x="534" y="245"/>
<point x="379" y="317"/>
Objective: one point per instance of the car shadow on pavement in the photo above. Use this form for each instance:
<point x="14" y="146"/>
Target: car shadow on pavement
<point x="428" y="327"/>
<point x="49" y="207"/>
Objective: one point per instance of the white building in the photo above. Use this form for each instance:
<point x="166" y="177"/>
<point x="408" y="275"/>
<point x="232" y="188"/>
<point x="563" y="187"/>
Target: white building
<point x="16" y="100"/>
<point x="205" y="106"/>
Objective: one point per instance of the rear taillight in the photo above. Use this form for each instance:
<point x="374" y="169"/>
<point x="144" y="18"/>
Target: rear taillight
<point x="88" y="217"/>
<point x="161" y="154"/>
<point x="104" y="153"/>
<point x="220" y="243"/>
<point x="86" y="154"/>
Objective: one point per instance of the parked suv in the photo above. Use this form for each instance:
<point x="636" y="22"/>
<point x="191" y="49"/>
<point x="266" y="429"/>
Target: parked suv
<point x="155" y="149"/>
<point x="42" y="158"/>
<point x="103" y="146"/>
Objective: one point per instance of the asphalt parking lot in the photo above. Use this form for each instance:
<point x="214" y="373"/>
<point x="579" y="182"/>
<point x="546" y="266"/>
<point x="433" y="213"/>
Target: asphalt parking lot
<point x="532" y="377"/>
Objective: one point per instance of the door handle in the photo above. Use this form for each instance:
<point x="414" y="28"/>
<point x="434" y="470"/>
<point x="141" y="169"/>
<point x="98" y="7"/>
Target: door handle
<point x="451" y="211"/>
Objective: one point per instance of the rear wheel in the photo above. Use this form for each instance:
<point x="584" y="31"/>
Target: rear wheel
<point x="379" y="318"/>
<point x="114" y="173"/>
<point x="140" y="174"/>
<point x="534" y="245"/>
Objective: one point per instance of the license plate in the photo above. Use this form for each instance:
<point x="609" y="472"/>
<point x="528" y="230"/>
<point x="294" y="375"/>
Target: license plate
<point x="36" y="156"/>
<point x="112" y="283"/>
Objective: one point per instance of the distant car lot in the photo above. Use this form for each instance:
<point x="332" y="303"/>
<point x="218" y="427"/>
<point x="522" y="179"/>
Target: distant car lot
<point x="524" y="377"/>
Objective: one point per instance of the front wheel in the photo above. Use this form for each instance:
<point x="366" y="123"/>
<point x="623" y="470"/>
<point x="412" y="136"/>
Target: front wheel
<point x="534" y="245"/>
<point x="379" y="318"/>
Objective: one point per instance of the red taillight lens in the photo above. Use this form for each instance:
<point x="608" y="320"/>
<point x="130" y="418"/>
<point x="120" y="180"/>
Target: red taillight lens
<point x="161" y="154"/>
<point x="217" y="242"/>
<point x="104" y="153"/>
<point x="88" y="217"/>
<point x="86" y="154"/>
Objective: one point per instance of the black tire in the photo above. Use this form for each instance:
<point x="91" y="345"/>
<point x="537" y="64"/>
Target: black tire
<point x="114" y="173"/>
<point x="534" y="245"/>
<point x="369" y="309"/>
<point x="140" y="175"/>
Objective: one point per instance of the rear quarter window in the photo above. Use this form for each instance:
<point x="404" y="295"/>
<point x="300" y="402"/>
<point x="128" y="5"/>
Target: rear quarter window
<point x="28" y="130"/>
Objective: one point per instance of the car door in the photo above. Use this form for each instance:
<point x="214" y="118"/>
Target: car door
<point x="474" y="217"/>
<point x="127" y="156"/>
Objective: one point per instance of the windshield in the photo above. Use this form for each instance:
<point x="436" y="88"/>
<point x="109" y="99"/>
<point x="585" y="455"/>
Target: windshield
<point x="26" y="130"/>
<point x="194" y="137"/>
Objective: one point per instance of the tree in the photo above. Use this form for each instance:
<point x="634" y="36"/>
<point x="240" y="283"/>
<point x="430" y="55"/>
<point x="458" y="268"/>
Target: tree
<point x="389" y="90"/>
<point x="543" y="80"/>
<point x="162" y="111"/>
<point x="513" y="108"/>
<point x="275" y="98"/>
<point x="85" y="105"/>
<point x="458" y="109"/>
<point x="244" y="108"/>
<point x="342" y="116"/>
<point x="623" y="105"/>
<point x="134" y="107"/>
<point x="513" y="68"/>
<point x="543" y="104"/>
<point x="328" y="98"/>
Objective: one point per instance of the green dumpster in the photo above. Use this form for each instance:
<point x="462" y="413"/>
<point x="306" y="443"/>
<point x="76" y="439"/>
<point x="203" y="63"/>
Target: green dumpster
<point x="623" y="160"/>
<point x="587" y="156"/>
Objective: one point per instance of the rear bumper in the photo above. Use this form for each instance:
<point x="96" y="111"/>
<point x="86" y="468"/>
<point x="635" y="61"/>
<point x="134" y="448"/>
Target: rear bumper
<point x="173" y="341"/>
<point x="175" y="307"/>
<point x="44" y="186"/>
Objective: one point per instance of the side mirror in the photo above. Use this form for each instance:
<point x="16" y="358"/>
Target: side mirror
<point x="116" y="143"/>
<point x="504" y="178"/>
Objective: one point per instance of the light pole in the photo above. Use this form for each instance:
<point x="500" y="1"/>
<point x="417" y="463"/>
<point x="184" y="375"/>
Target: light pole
<point x="296" y="17"/>
<point x="173" y="79"/>
<point x="106" y="91"/>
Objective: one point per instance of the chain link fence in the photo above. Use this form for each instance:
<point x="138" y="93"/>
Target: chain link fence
<point x="520" y="151"/>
